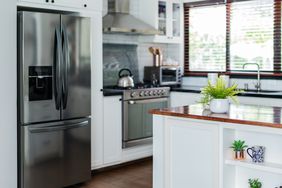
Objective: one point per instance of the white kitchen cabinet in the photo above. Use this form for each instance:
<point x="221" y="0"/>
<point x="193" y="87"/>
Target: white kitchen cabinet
<point x="169" y="19"/>
<point x="184" y="151"/>
<point x="112" y="129"/>
<point x="166" y="16"/>
<point x="196" y="153"/>
<point x="183" y="98"/>
<point x="78" y="4"/>
<point x="97" y="150"/>
<point x="260" y="101"/>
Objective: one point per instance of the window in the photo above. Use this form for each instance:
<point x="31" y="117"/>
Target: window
<point x="251" y="34"/>
<point x="207" y="39"/>
<point x="221" y="38"/>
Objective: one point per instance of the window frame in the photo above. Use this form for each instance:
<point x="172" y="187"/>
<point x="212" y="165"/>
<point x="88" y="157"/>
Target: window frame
<point x="276" y="73"/>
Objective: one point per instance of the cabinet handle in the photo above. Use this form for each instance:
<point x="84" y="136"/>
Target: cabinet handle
<point x="47" y="1"/>
<point x="53" y="1"/>
<point x="85" y="5"/>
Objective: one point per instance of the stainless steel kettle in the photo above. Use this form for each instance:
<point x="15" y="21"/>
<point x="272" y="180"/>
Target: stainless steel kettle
<point x="126" y="79"/>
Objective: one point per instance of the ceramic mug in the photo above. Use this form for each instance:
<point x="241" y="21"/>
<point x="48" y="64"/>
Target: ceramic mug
<point x="226" y="79"/>
<point x="212" y="77"/>
<point x="256" y="153"/>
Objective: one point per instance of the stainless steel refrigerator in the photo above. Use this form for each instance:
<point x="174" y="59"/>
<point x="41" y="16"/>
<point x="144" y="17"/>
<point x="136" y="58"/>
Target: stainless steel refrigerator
<point x="54" y="99"/>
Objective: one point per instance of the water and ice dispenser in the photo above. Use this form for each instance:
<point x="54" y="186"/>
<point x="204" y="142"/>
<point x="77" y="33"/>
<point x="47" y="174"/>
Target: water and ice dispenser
<point x="40" y="83"/>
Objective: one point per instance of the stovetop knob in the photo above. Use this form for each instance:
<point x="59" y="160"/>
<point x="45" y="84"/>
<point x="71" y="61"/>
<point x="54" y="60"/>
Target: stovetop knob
<point x="141" y="94"/>
<point x="133" y="94"/>
<point x="147" y="93"/>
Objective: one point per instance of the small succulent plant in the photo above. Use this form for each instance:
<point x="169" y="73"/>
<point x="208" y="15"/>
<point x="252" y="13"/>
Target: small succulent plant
<point x="255" y="183"/>
<point x="238" y="145"/>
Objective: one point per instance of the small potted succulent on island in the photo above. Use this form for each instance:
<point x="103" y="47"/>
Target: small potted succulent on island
<point x="218" y="95"/>
<point x="238" y="147"/>
<point x="255" y="183"/>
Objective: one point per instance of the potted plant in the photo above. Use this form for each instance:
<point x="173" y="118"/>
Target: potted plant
<point x="218" y="95"/>
<point x="238" y="147"/>
<point x="255" y="183"/>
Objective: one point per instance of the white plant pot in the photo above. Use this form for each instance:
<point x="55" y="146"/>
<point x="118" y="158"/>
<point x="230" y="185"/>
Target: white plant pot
<point x="219" y="105"/>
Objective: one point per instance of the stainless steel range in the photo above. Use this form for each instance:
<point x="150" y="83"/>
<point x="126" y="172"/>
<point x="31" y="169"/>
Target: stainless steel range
<point x="137" y="122"/>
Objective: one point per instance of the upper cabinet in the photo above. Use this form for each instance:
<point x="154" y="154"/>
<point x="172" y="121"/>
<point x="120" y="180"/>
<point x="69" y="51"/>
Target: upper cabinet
<point x="169" y="14"/>
<point x="55" y="4"/>
<point x="166" y="16"/>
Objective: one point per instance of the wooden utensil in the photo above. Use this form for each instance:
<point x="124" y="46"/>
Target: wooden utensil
<point x="152" y="50"/>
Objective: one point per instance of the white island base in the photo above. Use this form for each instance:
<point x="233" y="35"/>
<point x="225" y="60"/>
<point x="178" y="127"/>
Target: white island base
<point x="194" y="153"/>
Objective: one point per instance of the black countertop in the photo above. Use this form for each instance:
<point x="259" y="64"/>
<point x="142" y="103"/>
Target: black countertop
<point x="112" y="92"/>
<point x="197" y="89"/>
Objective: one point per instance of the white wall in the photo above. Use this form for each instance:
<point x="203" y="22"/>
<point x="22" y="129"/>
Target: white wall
<point x="145" y="58"/>
<point x="8" y="98"/>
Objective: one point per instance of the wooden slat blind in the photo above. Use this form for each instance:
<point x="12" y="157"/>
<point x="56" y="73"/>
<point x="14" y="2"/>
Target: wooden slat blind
<point x="251" y="34"/>
<point x="277" y="36"/>
<point x="259" y="28"/>
<point x="186" y="39"/>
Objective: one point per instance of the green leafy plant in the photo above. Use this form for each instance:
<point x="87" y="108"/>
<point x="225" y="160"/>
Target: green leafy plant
<point x="219" y="91"/>
<point x="238" y="145"/>
<point x="255" y="183"/>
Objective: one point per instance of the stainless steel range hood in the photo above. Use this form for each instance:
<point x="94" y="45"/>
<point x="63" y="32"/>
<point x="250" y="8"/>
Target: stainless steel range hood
<point x="119" y="20"/>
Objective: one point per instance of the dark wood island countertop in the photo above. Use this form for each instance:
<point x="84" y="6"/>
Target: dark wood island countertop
<point x="242" y="114"/>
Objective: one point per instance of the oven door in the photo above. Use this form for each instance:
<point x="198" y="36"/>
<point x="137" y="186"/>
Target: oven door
<point x="138" y="122"/>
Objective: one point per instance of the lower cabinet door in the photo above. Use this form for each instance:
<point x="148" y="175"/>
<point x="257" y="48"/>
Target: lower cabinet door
<point x="55" y="155"/>
<point x="112" y="130"/>
<point x="192" y="155"/>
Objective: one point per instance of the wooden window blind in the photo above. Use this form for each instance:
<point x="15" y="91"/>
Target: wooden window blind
<point x="251" y="34"/>
<point x="221" y="38"/>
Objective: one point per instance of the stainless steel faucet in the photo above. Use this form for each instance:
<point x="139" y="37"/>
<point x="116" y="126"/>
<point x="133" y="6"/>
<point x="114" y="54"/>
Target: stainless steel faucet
<point x="258" y="84"/>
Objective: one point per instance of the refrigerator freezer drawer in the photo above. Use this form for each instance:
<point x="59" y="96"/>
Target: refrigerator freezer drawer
<point x="56" y="154"/>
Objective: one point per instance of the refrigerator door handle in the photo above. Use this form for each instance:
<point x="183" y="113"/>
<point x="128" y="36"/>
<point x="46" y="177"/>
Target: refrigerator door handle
<point x="57" y="68"/>
<point x="58" y="128"/>
<point x="66" y="57"/>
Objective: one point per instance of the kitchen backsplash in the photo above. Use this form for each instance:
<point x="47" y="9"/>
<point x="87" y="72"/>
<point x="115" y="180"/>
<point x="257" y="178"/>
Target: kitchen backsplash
<point x="126" y="51"/>
<point x="117" y="57"/>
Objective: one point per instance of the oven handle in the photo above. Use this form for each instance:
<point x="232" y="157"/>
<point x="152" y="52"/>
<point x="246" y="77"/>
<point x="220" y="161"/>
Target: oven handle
<point x="147" y="101"/>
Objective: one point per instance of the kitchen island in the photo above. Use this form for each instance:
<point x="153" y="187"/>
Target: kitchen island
<point x="191" y="146"/>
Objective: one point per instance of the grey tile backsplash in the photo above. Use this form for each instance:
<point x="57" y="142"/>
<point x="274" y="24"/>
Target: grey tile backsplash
<point x="117" y="57"/>
<point x="127" y="51"/>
